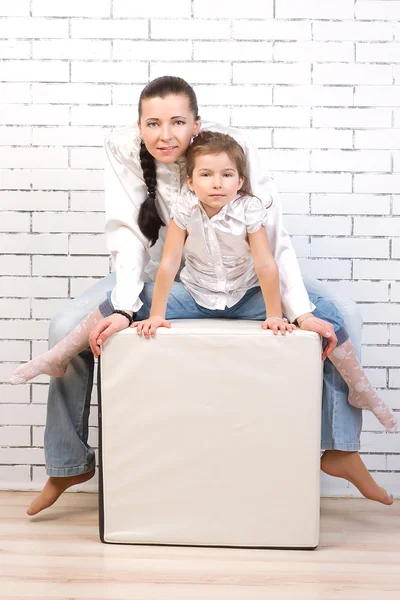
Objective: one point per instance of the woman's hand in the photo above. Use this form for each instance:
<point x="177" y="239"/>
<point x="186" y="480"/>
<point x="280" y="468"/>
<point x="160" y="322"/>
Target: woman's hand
<point x="324" y="329"/>
<point x="277" y="324"/>
<point x="149" y="327"/>
<point x="105" y="329"/>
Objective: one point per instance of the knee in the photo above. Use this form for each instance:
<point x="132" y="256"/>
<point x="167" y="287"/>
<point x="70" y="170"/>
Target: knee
<point x="60" y="326"/>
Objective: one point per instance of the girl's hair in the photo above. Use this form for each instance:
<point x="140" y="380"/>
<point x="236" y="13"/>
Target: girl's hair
<point x="211" y="142"/>
<point x="149" y="220"/>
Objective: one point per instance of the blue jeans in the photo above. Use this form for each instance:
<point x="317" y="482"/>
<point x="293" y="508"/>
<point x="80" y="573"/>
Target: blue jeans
<point x="66" y="448"/>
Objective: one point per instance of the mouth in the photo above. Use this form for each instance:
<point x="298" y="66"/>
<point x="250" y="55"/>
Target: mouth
<point x="217" y="196"/>
<point x="167" y="149"/>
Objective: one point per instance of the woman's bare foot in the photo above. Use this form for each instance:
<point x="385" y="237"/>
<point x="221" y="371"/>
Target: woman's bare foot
<point x="53" y="489"/>
<point x="349" y="465"/>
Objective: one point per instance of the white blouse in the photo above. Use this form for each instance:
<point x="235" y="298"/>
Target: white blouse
<point x="135" y="261"/>
<point x="219" y="266"/>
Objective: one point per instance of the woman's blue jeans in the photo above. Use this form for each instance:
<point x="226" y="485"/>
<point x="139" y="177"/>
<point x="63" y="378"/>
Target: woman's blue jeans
<point x="66" y="435"/>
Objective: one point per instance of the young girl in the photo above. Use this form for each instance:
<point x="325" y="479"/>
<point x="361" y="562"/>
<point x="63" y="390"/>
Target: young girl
<point x="220" y="228"/>
<point x="145" y="168"/>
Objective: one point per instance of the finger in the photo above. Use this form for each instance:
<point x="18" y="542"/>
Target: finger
<point x="153" y="330"/>
<point x="167" y="324"/>
<point x="139" y="329"/>
<point x="146" y="330"/>
<point x="135" y="324"/>
<point x="329" y="348"/>
<point x="264" y="325"/>
<point x="282" y="327"/>
<point x="275" y="329"/>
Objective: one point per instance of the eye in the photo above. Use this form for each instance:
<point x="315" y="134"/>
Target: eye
<point x="228" y="174"/>
<point x="180" y="123"/>
<point x="205" y="175"/>
<point x="154" y="124"/>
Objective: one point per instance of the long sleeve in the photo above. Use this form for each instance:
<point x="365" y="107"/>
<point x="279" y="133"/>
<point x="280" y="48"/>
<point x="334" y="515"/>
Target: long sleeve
<point x="125" y="191"/>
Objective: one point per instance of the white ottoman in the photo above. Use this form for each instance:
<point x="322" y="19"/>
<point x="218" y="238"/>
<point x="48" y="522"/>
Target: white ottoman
<point x="210" y="435"/>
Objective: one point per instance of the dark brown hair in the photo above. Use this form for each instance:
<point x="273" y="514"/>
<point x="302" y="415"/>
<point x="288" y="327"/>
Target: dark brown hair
<point x="211" y="142"/>
<point x="149" y="220"/>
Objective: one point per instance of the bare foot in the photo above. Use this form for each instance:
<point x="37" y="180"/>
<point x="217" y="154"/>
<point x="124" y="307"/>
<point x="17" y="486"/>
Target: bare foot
<point x="53" y="489"/>
<point x="349" y="465"/>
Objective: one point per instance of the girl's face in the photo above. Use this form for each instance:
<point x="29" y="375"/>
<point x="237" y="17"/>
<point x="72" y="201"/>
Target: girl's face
<point x="215" y="181"/>
<point x="166" y="126"/>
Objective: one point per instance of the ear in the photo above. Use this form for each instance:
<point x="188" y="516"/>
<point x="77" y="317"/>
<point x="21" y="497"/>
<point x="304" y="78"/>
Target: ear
<point x="241" y="182"/>
<point x="190" y="183"/>
<point x="197" y="124"/>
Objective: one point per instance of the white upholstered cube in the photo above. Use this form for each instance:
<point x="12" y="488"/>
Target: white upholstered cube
<point x="210" y="435"/>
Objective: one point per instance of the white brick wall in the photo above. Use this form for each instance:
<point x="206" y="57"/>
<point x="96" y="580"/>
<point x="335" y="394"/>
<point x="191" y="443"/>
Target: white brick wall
<point x="314" y="83"/>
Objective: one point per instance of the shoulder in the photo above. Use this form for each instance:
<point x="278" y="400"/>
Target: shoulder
<point x="183" y="208"/>
<point x="254" y="211"/>
<point x="124" y="142"/>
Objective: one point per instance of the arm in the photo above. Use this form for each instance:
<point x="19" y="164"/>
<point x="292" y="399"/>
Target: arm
<point x="268" y="276"/>
<point x="170" y="262"/>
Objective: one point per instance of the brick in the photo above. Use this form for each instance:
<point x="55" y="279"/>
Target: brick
<point x="216" y="114"/>
<point x="87" y="201"/>
<point x="301" y="246"/>
<point x="396" y="248"/>
<point x="17" y="7"/>
<point x="395" y="292"/>
<point x="375" y="334"/>
<point x="126" y="94"/>
<point x="372" y="462"/>
<point x="34" y="244"/>
<point x="33" y="158"/>
<point x="349" y="248"/>
<point x="377" y="96"/>
<point x="152" y="50"/>
<point x="70" y="265"/>
<point x="152" y="8"/>
<point x="394" y="378"/>
<point x="195" y="72"/>
<point x="71" y="49"/>
<point x="378" y="9"/>
<point x="14" y="222"/>
<point x="396" y="161"/>
<point x="17" y="179"/>
<point x="88" y="244"/>
<point x="15" y="436"/>
<point x="251" y="9"/>
<point x="46" y="309"/>
<point x="326" y="268"/>
<point x="111" y="29"/>
<point x="393" y="462"/>
<point x="72" y="179"/>
<point x="190" y="29"/>
<point x="352" y="117"/>
<point x="312" y="138"/>
<point x="313" y="182"/>
<point x="381" y="184"/>
<point x="271" y="29"/>
<point x="81" y="284"/>
<point x="389" y="226"/>
<point x="237" y="51"/>
<point x="68" y="222"/>
<point x="39" y="396"/>
<point x="14" y="351"/>
<point x="33" y="28"/>
<point x="315" y="52"/>
<point x="24" y="456"/>
<point x="69" y="136"/>
<point x="389" y="139"/>
<point x="377" y="269"/>
<point x="361" y="291"/>
<point x="350" y="160"/>
<point x="33" y="201"/>
<point x="101" y="115"/>
<point x="377" y="377"/>
<point x="394" y="334"/>
<point x="354" y="204"/>
<point x="295" y="204"/>
<point x="274" y="116"/>
<point x="28" y="287"/>
<point x="34" y="115"/>
<point x="74" y="8"/>
<point x="352" y="30"/>
<point x="378" y="53"/>
<point x="308" y="225"/>
<point x="87" y="158"/>
<point x="352" y="74"/>
<point x="261" y="137"/>
<point x="313" y="9"/>
<point x="34" y="70"/>
<point x="15" y="475"/>
<point x="248" y="95"/>
<point x="15" y="265"/>
<point x="381" y="356"/>
<point x="14" y="49"/>
<point x="23" y="330"/>
<point x="15" y="136"/>
<point x="299" y="73"/>
<point x="286" y="160"/>
<point x="109" y="72"/>
<point x="313" y="95"/>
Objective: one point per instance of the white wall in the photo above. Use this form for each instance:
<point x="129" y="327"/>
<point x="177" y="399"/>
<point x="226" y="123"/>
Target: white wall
<point x="315" y="84"/>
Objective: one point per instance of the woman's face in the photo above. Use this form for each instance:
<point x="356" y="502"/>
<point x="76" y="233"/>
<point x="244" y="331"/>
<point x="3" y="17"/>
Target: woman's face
<point x="166" y="126"/>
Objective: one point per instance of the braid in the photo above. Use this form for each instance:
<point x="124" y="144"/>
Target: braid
<point x="149" y="220"/>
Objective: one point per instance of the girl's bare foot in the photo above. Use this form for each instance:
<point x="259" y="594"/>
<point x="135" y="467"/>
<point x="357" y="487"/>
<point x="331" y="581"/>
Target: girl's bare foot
<point x="53" y="489"/>
<point x="349" y="465"/>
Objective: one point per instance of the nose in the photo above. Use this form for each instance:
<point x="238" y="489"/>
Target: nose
<point x="217" y="183"/>
<point x="166" y="133"/>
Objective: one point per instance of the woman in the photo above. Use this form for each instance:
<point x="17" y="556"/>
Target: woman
<point x="145" y="169"/>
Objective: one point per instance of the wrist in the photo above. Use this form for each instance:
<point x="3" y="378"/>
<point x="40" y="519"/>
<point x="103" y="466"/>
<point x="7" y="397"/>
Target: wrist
<point x="127" y="314"/>
<point x="303" y="318"/>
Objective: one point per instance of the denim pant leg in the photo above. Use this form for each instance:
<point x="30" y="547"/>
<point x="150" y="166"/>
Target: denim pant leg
<point x="341" y="422"/>
<point x="65" y="440"/>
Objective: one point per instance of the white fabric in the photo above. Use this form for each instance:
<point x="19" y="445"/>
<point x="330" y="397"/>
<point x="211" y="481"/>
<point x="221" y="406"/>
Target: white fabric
<point x="125" y="191"/>
<point x="210" y="435"/>
<point x="219" y="266"/>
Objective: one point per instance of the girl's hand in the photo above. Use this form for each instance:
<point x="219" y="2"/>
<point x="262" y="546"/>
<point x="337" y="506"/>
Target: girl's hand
<point x="149" y="327"/>
<point x="104" y="329"/>
<point x="324" y="329"/>
<point x="278" y="324"/>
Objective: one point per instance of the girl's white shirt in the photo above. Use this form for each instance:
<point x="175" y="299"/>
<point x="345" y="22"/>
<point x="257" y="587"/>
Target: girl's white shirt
<point x="125" y="190"/>
<point x="219" y="267"/>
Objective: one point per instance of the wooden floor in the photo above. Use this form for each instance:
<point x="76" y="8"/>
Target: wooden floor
<point x="58" y="556"/>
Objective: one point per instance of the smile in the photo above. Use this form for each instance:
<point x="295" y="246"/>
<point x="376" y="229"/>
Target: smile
<point x="167" y="148"/>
